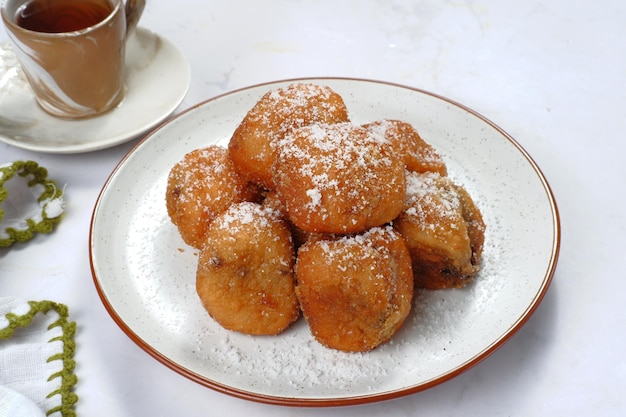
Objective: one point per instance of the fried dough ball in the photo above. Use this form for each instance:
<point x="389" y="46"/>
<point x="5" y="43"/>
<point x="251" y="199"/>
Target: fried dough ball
<point x="252" y="145"/>
<point x="199" y="187"/>
<point x="419" y="156"/>
<point x="338" y="178"/>
<point x="443" y="230"/>
<point x="355" y="292"/>
<point x="245" y="276"/>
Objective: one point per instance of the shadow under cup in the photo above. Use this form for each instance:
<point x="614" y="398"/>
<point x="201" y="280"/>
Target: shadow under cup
<point x="74" y="74"/>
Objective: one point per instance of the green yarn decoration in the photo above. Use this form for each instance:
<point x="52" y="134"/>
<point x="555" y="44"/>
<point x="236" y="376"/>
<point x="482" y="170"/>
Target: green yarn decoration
<point x="35" y="175"/>
<point x="67" y="375"/>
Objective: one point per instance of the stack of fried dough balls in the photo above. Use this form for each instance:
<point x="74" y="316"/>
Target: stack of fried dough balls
<point x="307" y="212"/>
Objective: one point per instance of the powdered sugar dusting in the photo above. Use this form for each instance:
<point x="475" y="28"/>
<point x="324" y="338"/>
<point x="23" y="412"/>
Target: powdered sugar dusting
<point x="338" y="178"/>
<point x="429" y="190"/>
<point x="297" y="105"/>
<point x="418" y="155"/>
<point x="363" y="240"/>
<point x="294" y="361"/>
<point x="247" y="213"/>
<point x="332" y="149"/>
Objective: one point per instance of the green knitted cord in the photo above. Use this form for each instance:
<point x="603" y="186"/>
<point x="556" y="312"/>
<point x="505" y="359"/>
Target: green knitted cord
<point x="50" y="196"/>
<point x="67" y="375"/>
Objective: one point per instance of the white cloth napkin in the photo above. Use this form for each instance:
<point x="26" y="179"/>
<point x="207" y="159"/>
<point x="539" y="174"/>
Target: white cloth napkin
<point x="14" y="404"/>
<point x="30" y="362"/>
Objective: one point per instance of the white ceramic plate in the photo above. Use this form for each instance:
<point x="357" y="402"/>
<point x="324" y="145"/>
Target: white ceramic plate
<point x="158" y="77"/>
<point x="145" y="274"/>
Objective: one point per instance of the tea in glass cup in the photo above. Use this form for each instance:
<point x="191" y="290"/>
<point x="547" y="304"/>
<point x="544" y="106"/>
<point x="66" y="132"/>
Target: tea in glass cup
<point x="73" y="51"/>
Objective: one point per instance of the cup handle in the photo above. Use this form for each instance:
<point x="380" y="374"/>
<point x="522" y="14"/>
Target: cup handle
<point x="133" y="10"/>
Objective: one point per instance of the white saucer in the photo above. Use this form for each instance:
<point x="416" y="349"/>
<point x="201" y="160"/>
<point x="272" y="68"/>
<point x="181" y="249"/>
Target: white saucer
<point x="158" y="78"/>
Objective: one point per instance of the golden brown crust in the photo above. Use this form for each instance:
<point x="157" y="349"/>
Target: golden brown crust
<point x="245" y="276"/>
<point x="419" y="156"/>
<point x="475" y="224"/>
<point x="201" y="186"/>
<point x="443" y="230"/>
<point x="252" y="145"/>
<point x="338" y="179"/>
<point x="355" y="292"/>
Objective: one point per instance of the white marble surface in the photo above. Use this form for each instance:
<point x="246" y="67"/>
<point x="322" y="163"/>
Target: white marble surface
<point x="552" y="74"/>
